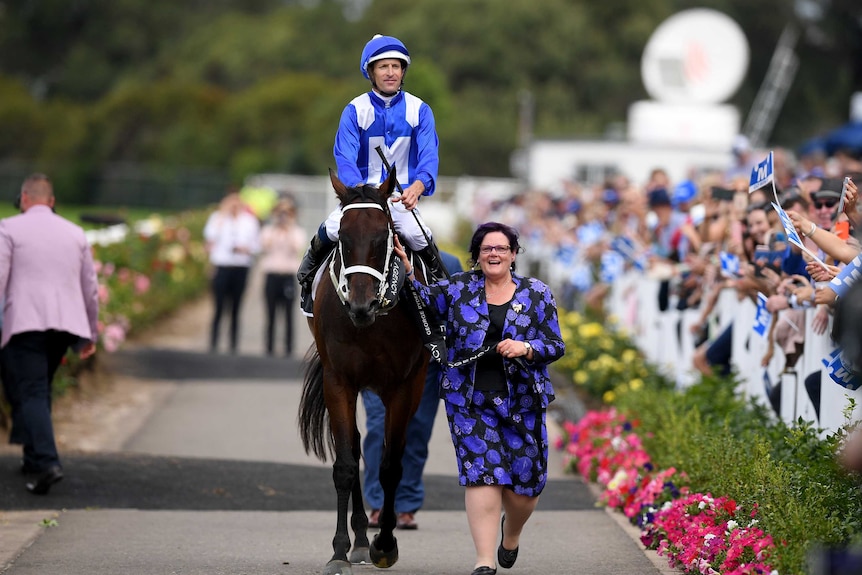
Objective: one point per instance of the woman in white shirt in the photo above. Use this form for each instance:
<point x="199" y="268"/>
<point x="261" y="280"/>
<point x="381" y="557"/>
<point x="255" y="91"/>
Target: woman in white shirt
<point x="231" y="235"/>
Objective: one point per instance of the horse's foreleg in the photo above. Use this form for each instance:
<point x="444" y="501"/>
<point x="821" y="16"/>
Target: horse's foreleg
<point x="344" y="474"/>
<point x="358" y="519"/>
<point x="384" y="549"/>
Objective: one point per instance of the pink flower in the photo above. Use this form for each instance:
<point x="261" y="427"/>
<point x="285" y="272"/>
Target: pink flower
<point x="104" y="294"/>
<point x="113" y="336"/>
<point x="697" y="532"/>
<point x="142" y="284"/>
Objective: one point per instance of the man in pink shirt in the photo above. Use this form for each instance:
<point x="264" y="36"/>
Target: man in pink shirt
<point x="51" y="303"/>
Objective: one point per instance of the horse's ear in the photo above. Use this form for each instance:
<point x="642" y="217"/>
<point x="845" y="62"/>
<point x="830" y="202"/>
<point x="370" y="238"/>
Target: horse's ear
<point x="340" y="188"/>
<point x="388" y="185"/>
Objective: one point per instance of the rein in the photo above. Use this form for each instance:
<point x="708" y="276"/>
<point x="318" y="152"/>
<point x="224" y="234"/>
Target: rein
<point x="340" y="280"/>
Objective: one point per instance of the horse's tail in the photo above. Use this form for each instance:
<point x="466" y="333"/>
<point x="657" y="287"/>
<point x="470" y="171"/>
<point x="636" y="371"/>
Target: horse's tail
<point x="313" y="419"/>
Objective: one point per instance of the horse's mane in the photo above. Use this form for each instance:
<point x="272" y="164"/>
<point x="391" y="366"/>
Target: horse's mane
<point x="364" y="193"/>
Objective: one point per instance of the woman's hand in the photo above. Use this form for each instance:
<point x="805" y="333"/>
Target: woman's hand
<point x="800" y="222"/>
<point x="821" y="319"/>
<point x="399" y="251"/>
<point x="820" y="274"/>
<point x="851" y="195"/>
<point x="824" y="295"/>
<point x="513" y="348"/>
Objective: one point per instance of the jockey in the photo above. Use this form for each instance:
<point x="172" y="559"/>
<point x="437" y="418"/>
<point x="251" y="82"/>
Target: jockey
<point x="403" y="126"/>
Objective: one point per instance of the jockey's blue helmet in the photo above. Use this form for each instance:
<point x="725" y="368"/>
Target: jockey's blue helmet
<point x="381" y="47"/>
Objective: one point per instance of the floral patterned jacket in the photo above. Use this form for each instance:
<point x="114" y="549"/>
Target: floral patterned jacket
<point x="532" y="317"/>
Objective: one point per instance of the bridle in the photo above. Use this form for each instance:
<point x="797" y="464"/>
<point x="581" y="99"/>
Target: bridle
<point x="339" y="281"/>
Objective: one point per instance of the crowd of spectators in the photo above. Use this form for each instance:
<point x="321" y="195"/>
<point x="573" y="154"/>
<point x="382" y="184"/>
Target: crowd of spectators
<point x="700" y="236"/>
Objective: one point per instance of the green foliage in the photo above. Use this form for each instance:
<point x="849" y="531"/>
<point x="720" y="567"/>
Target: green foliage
<point x="247" y="85"/>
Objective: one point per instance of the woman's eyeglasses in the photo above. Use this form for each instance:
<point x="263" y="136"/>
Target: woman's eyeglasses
<point x="825" y="204"/>
<point x="499" y="249"/>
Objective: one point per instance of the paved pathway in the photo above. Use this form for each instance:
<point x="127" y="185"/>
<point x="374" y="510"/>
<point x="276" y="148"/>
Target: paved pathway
<point x="215" y="481"/>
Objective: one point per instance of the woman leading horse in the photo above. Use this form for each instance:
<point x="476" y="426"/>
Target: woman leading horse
<point x="362" y="343"/>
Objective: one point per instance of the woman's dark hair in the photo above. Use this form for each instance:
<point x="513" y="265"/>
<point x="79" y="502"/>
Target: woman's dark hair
<point x="487" y="228"/>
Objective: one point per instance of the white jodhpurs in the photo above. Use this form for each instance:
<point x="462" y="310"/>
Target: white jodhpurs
<point x="406" y="225"/>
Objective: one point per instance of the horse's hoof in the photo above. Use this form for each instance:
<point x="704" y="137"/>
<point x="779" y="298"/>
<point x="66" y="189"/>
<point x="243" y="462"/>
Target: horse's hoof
<point x="383" y="559"/>
<point x="337" y="567"/>
<point x="360" y="556"/>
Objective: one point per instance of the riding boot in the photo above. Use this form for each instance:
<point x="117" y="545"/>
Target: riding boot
<point x="435" y="266"/>
<point x="314" y="257"/>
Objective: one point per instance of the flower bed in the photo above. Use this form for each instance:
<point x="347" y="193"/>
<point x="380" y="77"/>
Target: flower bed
<point x="697" y="532"/>
<point x="643" y="433"/>
<point x="155" y="269"/>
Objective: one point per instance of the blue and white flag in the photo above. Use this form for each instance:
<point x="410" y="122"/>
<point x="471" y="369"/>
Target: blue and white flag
<point x="729" y="264"/>
<point x="761" y="174"/>
<point x="613" y="266"/>
<point x="839" y="372"/>
<point x="762" y="317"/>
<point x="789" y="228"/>
<point x="793" y="236"/>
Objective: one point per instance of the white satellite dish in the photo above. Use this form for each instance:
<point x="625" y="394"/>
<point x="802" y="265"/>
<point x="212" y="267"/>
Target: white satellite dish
<point x="697" y="56"/>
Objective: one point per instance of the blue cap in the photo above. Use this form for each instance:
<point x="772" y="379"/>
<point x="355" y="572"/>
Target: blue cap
<point x="685" y="191"/>
<point x="382" y="47"/>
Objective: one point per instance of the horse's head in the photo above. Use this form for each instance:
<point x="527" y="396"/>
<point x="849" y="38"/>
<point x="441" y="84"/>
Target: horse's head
<point x="360" y="268"/>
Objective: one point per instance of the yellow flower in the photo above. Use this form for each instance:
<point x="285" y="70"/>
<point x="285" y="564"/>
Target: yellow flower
<point x="636" y="384"/>
<point x="573" y="317"/>
<point x="581" y="377"/>
<point x="629" y="356"/>
<point x="590" y="330"/>
<point x="609" y="397"/>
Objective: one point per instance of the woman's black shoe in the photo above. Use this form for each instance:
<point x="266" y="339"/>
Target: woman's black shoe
<point x="484" y="570"/>
<point x="506" y="558"/>
<point x="43" y="484"/>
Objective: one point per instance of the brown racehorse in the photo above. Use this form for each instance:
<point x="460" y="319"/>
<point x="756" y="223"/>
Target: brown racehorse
<point x="361" y="347"/>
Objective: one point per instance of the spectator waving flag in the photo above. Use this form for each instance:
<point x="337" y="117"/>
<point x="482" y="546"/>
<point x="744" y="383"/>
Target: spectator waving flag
<point x="793" y="236"/>
<point x="761" y="174"/>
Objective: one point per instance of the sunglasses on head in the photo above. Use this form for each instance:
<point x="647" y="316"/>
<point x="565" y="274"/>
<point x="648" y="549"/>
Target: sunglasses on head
<point x="825" y="204"/>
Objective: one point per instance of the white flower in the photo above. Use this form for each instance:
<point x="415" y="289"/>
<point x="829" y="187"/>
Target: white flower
<point x="618" y="478"/>
<point x="731" y="525"/>
<point x="701" y="505"/>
